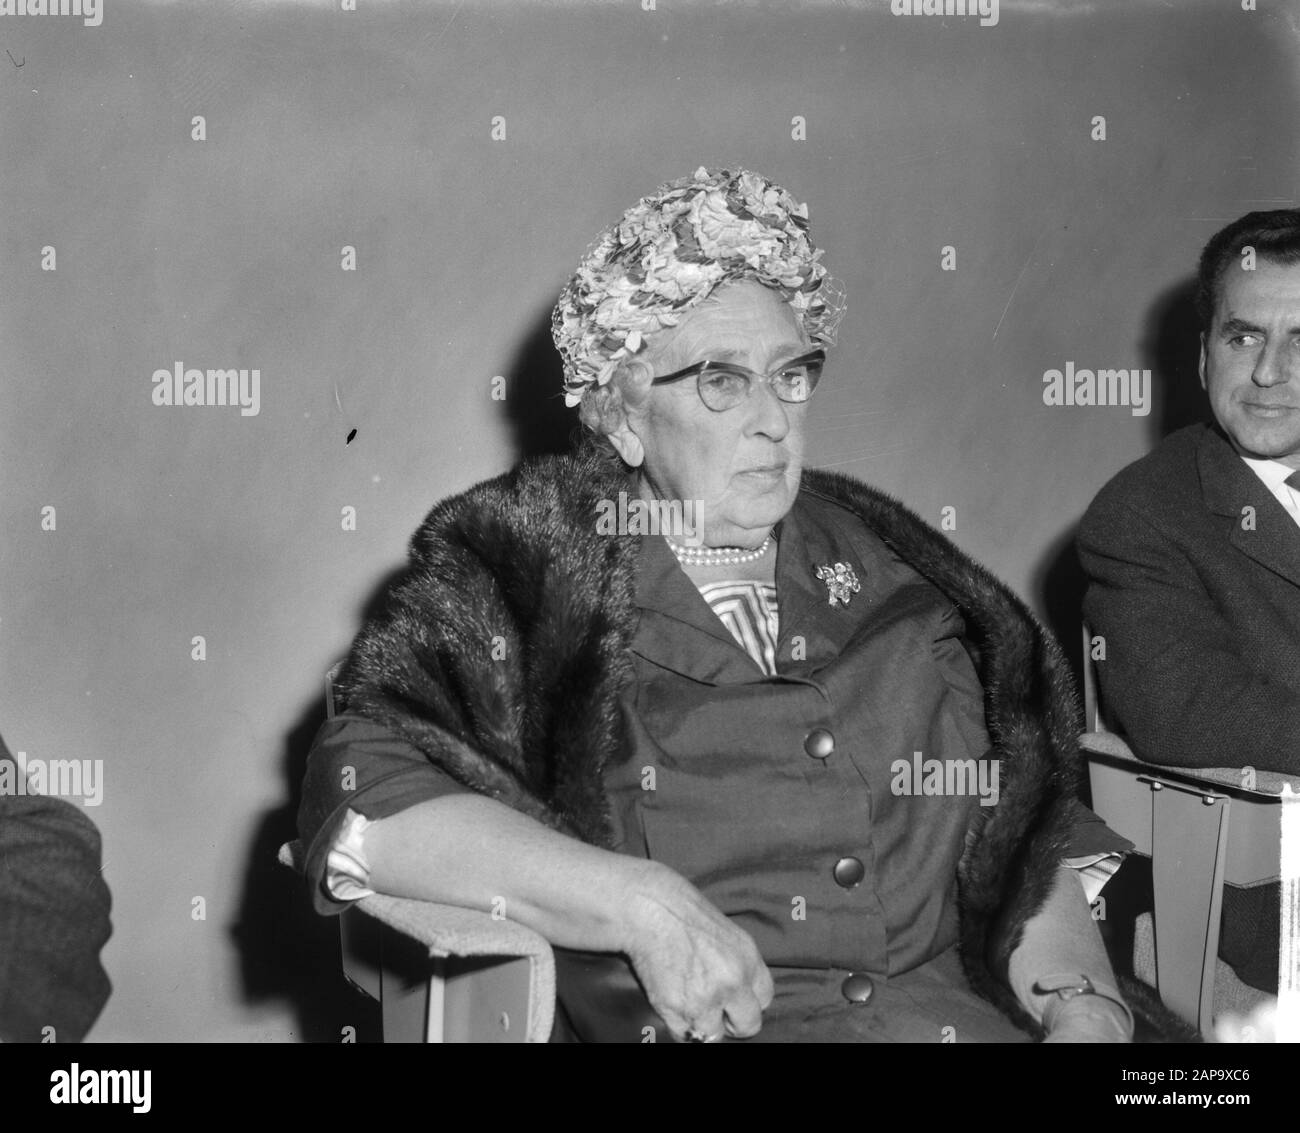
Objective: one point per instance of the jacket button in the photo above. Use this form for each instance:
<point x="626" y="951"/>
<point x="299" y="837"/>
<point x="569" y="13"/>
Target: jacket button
<point x="848" y="872"/>
<point x="819" y="744"/>
<point x="858" y="988"/>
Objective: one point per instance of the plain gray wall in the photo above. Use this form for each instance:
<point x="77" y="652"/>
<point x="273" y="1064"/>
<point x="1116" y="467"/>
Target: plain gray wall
<point x="327" y="128"/>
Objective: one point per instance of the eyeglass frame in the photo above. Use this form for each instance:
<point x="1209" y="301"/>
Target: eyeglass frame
<point x="698" y="369"/>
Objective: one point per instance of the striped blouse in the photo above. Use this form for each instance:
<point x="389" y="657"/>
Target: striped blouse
<point x="748" y="609"/>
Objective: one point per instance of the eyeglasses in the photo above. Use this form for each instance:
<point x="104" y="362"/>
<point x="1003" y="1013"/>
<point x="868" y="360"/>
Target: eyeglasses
<point x="724" y="385"/>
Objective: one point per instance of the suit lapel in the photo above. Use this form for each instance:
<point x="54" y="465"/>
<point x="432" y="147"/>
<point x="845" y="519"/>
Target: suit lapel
<point x="1270" y="536"/>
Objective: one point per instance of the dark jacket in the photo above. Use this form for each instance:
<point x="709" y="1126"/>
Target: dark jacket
<point x="518" y="558"/>
<point x="54" y="910"/>
<point x="1195" y="586"/>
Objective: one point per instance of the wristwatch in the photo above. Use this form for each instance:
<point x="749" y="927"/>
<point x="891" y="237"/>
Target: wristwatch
<point x="1071" y="986"/>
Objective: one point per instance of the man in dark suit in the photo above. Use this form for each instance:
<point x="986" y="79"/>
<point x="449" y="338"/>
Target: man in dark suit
<point x="1193" y="552"/>
<point x="54" y="910"/>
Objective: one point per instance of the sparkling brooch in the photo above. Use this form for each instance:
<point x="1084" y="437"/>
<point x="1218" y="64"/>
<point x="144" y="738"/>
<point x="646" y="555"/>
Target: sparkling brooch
<point x="840" y="581"/>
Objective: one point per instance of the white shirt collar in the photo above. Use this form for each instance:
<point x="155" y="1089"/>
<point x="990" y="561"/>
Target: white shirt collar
<point x="1272" y="472"/>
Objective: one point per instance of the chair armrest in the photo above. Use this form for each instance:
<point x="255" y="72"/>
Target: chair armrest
<point x="1267" y="783"/>
<point x="450" y="930"/>
<point x="1106" y="743"/>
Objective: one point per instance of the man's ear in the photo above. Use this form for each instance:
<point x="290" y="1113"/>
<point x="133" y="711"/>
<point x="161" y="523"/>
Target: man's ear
<point x="1200" y="366"/>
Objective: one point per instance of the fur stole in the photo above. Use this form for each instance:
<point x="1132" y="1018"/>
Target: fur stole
<point x="502" y="648"/>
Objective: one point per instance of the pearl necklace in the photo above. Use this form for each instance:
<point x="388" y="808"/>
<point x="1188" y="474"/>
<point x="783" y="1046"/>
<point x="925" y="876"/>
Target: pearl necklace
<point x="718" y="556"/>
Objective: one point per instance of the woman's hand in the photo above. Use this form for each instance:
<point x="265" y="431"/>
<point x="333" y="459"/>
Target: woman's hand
<point x="1063" y="938"/>
<point x="1089" y="1019"/>
<point x="701" y="973"/>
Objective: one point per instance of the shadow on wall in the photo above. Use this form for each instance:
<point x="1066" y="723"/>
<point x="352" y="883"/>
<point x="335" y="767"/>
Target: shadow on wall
<point x="288" y="951"/>
<point x="1171" y="350"/>
<point x="534" y="403"/>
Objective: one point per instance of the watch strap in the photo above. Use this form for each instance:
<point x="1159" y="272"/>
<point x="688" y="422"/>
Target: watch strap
<point x="1067" y="986"/>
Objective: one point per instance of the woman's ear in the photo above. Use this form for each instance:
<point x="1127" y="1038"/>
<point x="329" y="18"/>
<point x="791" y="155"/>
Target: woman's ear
<point x="627" y="444"/>
<point x="633" y="388"/>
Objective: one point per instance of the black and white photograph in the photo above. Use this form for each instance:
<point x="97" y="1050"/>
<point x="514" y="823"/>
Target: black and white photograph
<point x="650" y="521"/>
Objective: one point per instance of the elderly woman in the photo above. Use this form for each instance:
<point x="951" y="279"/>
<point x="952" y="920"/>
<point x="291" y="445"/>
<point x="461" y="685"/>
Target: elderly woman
<point x="754" y="741"/>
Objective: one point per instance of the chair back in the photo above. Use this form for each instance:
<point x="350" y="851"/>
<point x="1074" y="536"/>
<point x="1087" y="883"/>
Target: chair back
<point x="1200" y="826"/>
<point x="331" y="677"/>
<point x="1093" y="719"/>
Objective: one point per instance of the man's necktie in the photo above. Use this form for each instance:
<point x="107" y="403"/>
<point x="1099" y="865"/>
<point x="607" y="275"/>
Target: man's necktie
<point x="1293" y="481"/>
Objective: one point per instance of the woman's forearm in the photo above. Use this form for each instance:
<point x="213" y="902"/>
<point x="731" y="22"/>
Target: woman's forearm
<point x="1062" y="939"/>
<point x="475" y="852"/>
<point x="699" y="971"/>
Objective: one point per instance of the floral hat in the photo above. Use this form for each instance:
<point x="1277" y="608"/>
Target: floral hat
<point x="670" y="251"/>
